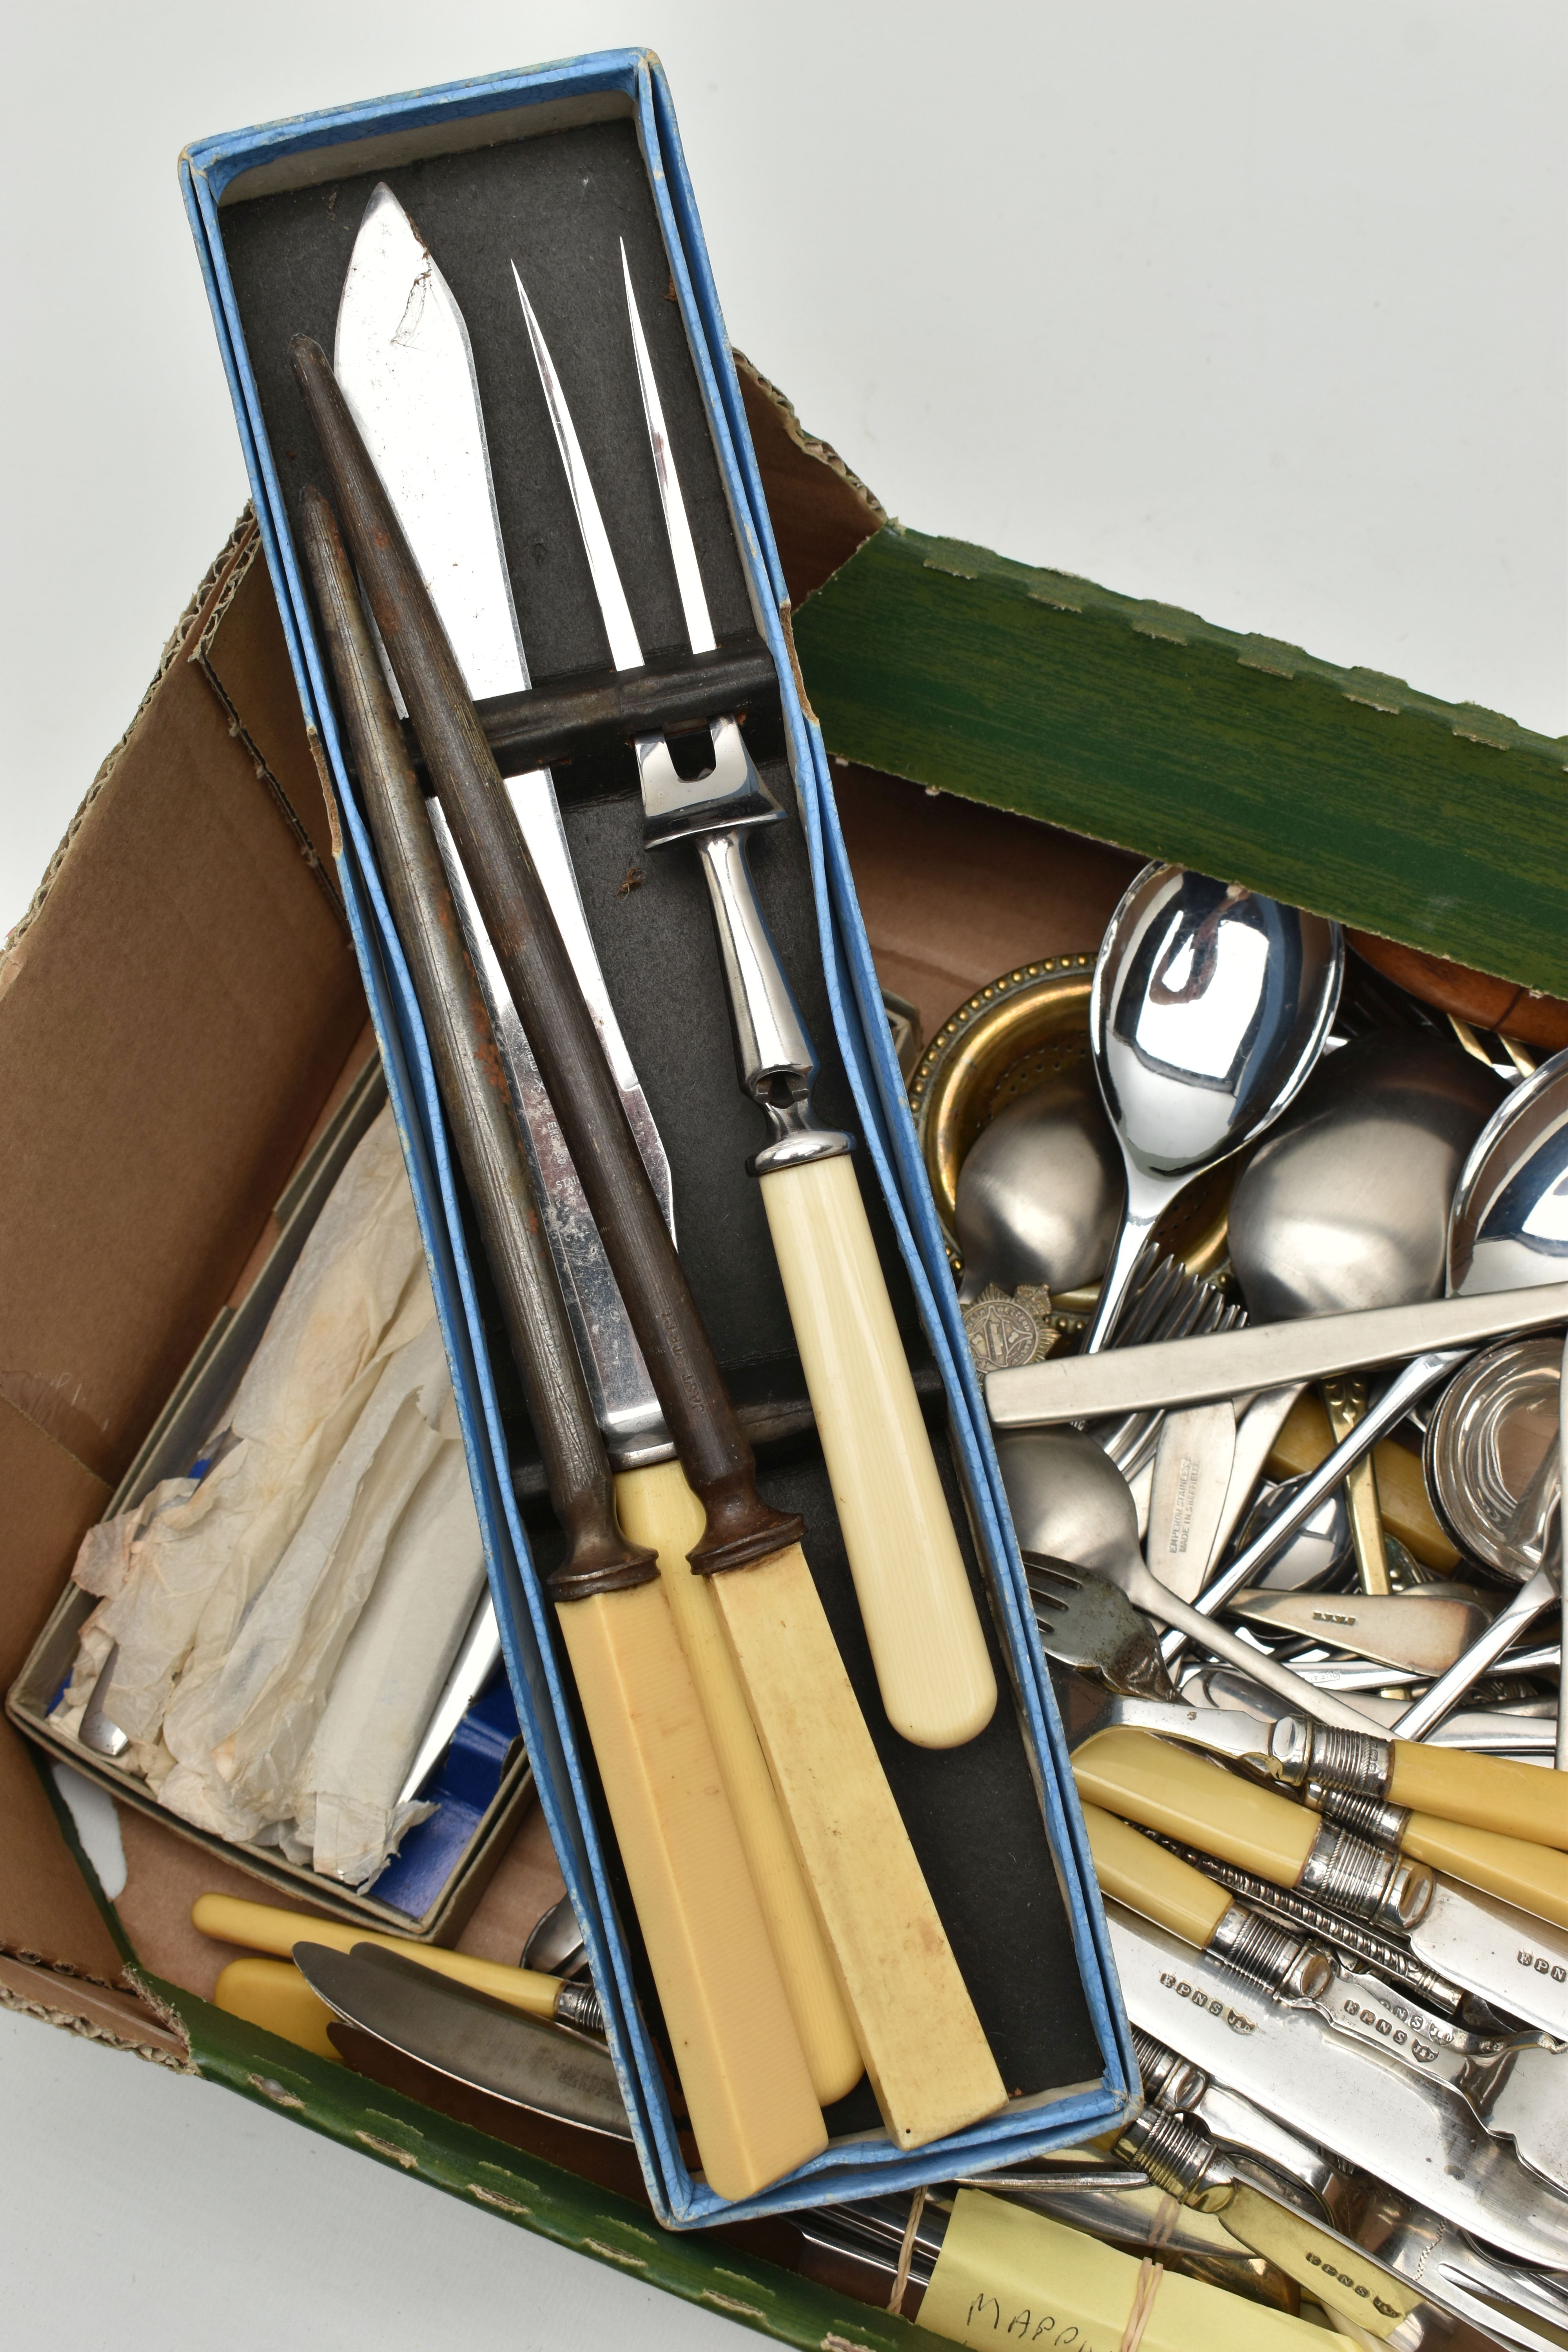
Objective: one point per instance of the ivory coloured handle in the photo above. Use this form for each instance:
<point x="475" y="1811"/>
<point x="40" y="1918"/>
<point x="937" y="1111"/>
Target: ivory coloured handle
<point x="925" y="2050"/>
<point x="1146" y="1878"/>
<point x="275" y="1996"/>
<point x="656" y="1507"/>
<point x="932" y="1666"/>
<point x="268" y="1927"/>
<point x="1487" y="1792"/>
<point x="1182" y="1794"/>
<point x="1532" y="1877"/>
<point x="754" y="2115"/>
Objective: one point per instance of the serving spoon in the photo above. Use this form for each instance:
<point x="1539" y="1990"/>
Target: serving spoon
<point x="1210" y="1006"/>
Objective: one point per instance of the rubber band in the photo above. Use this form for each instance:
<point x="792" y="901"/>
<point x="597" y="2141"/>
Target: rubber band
<point x="906" y="2254"/>
<point x="1149" y="2274"/>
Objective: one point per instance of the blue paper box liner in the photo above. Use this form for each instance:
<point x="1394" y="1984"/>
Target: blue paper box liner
<point x="425" y="122"/>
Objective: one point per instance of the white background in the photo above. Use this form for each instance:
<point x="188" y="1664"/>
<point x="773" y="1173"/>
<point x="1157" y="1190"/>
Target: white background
<point x="1255" y="309"/>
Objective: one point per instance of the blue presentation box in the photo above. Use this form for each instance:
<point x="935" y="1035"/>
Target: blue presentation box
<point x="220" y="176"/>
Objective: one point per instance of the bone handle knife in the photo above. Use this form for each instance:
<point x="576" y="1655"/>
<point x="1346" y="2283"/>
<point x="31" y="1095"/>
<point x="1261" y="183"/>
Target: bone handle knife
<point x="748" y="2089"/>
<point x="1187" y="1796"/>
<point x="270" y="1927"/>
<point x="1534" y="1878"/>
<point x="1484" y="1792"/>
<point x="924" y="2047"/>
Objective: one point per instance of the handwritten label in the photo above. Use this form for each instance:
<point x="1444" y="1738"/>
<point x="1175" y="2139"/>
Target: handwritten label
<point x="1008" y="2276"/>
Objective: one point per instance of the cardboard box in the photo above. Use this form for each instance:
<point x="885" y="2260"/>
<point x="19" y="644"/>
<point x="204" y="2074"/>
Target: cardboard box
<point x="558" y="166"/>
<point x="159" y="1101"/>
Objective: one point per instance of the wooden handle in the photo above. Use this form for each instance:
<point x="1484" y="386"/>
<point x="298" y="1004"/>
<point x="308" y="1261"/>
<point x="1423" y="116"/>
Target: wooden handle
<point x="739" y="1527"/>
<point x="925" y="2052"/>
<point x="472" y="1079"/>
<point x="275" y="1996"/>
<point x="658" y="1508"/>
<point x="748" y="2089"/>
<point x="269" y="1927"/>
<point x="1534" y="1877"/>
<point x="1487" y="1792"/>
<point x="932" y="1666"/>
<point x="1187" y="1796"/>
<point x="1146" y="1878"/>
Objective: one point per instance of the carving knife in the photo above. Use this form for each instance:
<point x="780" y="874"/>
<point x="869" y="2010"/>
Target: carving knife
<point x="407" y="372"/>
<point x="932" y="1666"/>
<point x="1348" y="2095"/>
<point x="924" y="2047"/>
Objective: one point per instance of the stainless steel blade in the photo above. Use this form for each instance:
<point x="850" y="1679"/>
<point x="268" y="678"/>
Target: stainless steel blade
<point x="688" y="571"/>
<point x="1257" y="1427"/>
<point x="402" y="358"/>
<point x="624" y="1405"/>
<point x="404" y="361"/>
<point x="1264" y="1355"/>
<point x="1192" y="1478"/>
<point x="1352" y="2098"/>
<point x="467" y="2036"/>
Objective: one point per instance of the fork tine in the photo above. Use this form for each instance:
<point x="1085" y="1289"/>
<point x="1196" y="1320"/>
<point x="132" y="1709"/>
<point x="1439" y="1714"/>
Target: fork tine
<point x="1041" y="1569"/>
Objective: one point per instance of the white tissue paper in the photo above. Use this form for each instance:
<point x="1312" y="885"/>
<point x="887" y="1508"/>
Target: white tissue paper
<point x="337" y="1498"/>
